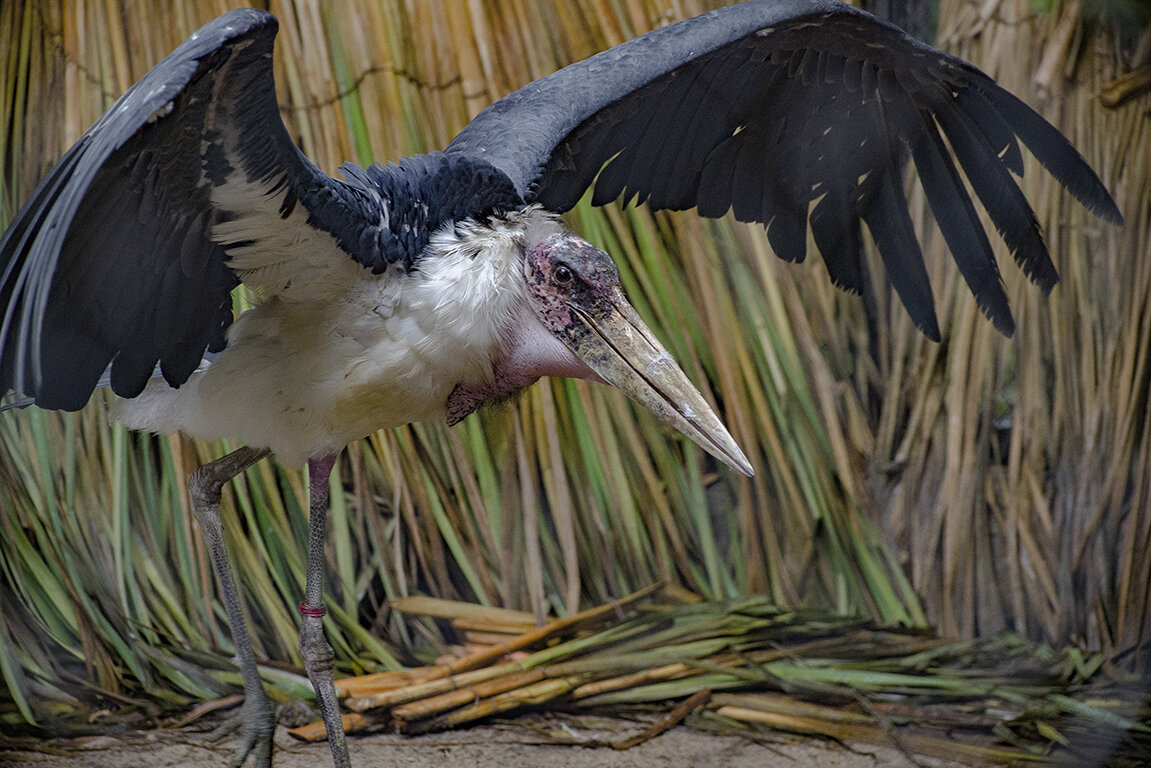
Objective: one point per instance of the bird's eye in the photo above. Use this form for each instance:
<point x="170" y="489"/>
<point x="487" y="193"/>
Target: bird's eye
<point x="562" y="275"/>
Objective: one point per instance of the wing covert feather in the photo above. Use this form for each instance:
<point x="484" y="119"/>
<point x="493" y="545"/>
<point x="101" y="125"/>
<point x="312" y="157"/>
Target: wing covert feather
<point x="808" y="104"/>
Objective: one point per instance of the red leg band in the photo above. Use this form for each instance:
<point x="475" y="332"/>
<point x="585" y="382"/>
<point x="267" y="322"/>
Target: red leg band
<point x="316" y="612"/>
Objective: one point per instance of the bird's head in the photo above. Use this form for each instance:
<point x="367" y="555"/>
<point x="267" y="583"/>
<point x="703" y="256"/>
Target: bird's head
<point x="575" y="299"/>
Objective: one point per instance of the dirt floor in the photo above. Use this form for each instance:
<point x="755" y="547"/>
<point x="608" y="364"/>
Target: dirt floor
<point x="528" y="743"/>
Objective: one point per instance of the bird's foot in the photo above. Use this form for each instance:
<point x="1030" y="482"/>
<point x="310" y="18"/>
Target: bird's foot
<point x="256" y="722"/>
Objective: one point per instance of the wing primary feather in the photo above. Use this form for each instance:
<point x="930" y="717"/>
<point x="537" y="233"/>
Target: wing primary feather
<point x="1000" y="195"/>
<point x="894" y="236"/>
<point x="835" y="229"/>
<point x="987" y="120"/>
<point x="959" y="222"/>
<point x="1052" y="149"/>
<point x="883" y="207"/>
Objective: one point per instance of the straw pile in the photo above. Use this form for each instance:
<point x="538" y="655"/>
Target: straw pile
<point x="747" y="664"/>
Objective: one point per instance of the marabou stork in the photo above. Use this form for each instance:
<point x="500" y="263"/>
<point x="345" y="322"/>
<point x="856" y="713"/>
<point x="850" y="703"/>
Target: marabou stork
<point x="427" y="288"/>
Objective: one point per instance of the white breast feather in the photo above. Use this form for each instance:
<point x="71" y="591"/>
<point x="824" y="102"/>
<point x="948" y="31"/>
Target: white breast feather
<point x="335" y="352"/>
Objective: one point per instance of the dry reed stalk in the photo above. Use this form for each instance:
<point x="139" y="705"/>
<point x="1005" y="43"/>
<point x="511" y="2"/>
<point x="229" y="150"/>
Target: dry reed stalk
<point x="430" y="706"/>
<point x="679" y="670"/>
<point x="579" y="620"/>
<point x="493" y="627"/>
<point x="452" y="675"/>
<point x="869" y="734"/>
<point x="354" y="687"/>
<point x="354" y="722"/>
<point x="364" y="694"/>
<point x="676" y="671"/>
<point x="422" y="705"/>
<point x="475" y="639"/>
<point x="529" y="695"/>
<point x="665" y="722"/>
<point x="459" y="611"/>
<point x="787" y="705"/>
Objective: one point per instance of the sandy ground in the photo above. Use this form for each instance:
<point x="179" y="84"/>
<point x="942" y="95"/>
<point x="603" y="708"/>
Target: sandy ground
<point x="529" y="743"/>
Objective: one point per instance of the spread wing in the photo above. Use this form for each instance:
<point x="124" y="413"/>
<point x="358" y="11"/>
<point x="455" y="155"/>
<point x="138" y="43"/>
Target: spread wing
<point x="790" y="113"/>
<point x="128" y="250"/>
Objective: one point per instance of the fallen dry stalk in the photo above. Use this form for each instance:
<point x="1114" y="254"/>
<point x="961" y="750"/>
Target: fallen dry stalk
<point x="388" y="696"/>
<point x="526" y="696"/>
<point x="872" y="734"/>
<point x="544" y="633"/>
<point x="434" y="705"/>
<point x="992" y="701"/>
<point x="671" y="719"/>
<point x="390" y="689"/>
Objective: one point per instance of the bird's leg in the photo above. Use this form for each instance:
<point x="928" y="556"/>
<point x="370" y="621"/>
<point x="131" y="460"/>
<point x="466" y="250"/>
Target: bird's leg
<point x="319" y="658"/>
<point x="204" y="486"/>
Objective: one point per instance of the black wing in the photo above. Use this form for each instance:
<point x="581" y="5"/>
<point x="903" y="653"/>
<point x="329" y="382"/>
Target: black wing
<point x="122" y="254"/>
<point x="769" y="106"/>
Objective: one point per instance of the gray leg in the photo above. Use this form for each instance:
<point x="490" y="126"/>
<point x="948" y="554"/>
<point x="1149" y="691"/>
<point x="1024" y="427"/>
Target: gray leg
<point x="319" y="658"/>
<point x="204" y="485"/>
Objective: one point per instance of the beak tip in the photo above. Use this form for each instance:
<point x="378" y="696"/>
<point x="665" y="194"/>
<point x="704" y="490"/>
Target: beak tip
<point x="740" y="464"/>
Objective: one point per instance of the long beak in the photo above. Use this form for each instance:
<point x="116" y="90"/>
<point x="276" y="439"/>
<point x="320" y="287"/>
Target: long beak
<point x="620" y="348"/>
